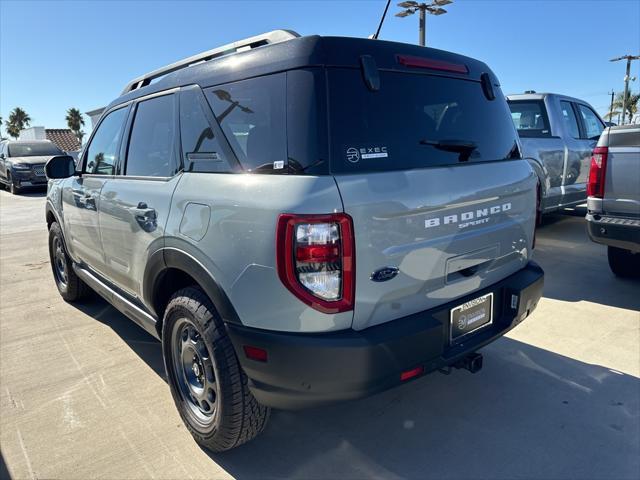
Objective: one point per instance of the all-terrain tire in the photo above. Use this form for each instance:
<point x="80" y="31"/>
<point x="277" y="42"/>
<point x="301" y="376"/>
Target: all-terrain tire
<point x="624" y="263"/>
<point x="69" y="285"/>
<point x="236" y="416"/>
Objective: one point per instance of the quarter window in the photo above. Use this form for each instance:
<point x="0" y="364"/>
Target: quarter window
<point x="592" y="125"/>
<point x="200" y="148"/>
<point x="102" y="152"/>
<point x="252" y="116"/>
<point x="570" y="120"/>
<point x="151" y="145"/>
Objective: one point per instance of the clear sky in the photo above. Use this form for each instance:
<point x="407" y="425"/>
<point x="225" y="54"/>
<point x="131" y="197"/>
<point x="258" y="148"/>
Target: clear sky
<point x="60" y="54"/>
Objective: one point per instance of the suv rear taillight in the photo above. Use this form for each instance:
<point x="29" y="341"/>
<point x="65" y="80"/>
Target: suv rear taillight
<point x="315" y="256"/>
<point x="595" y="185"/>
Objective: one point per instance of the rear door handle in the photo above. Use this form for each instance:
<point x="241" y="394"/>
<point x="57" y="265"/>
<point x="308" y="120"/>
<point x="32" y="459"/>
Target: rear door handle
<point x="143" y="211"/>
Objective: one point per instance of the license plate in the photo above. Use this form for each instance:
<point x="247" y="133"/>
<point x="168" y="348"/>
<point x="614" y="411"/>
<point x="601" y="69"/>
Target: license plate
<point x="471" y="316"/>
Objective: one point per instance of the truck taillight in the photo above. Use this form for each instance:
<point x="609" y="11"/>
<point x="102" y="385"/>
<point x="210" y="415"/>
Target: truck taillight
<point x="315" y="256"/>
<point x="595" y="185"/>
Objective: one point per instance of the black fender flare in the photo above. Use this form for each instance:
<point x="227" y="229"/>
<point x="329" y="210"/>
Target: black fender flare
<point x="49" y="208"/>
<point x="167" y="258"/>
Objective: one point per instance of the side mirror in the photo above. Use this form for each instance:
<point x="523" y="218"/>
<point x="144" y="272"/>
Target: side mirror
<point x="62" y="166"/>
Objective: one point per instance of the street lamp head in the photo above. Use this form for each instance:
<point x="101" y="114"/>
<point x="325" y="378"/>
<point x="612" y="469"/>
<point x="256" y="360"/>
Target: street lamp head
<point x="408" y="4"/>
<point x="442" y="3"/>
<point x="436" y="11"/>
<point x="405" y="13"/>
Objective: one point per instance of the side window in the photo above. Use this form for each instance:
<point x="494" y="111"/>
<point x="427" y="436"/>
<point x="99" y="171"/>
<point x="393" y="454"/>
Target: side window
<point x="530" y="118"/>
<point x="570" y="119"/>
<point x="102" y="152"/>
<point x="253" y="118"/>
<point x="200" y="148"/>
<point x="592" y="125"/>
<point x="151" y="144"/>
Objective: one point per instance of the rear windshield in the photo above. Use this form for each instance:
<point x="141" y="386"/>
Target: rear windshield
<point x="530" y="118"/>
<point x="414" y="121"/>
<point x="33" y="149"/>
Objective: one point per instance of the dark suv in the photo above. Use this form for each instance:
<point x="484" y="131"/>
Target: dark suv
<point x="22" y="163"/>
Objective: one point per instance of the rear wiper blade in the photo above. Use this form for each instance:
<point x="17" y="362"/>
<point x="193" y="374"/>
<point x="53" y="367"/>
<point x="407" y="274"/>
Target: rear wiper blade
<point x="463" y="147"/>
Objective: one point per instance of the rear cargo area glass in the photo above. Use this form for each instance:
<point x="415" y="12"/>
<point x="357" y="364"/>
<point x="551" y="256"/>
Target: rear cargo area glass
<point x="414" y="121"/>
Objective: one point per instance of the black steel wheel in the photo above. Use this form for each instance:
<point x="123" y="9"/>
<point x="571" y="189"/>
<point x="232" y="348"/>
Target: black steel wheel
<point x="59" y="263"/>
<point x="195" y="372"/>
<point x="207" y="382"/>
<point x="71" y="288"/>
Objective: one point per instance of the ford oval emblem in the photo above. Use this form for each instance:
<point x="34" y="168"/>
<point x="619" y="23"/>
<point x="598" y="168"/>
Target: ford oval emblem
<point x="383" y="274"/>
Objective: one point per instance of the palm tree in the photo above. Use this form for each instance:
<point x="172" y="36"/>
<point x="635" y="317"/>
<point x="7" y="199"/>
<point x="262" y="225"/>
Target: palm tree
<point x="631" y="108"/>
<point x="75" y="122"/>
<point x="18" y="120"/>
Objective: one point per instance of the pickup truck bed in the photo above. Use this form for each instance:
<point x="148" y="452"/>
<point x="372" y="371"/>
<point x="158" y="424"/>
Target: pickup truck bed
<point x="613" y="217"/>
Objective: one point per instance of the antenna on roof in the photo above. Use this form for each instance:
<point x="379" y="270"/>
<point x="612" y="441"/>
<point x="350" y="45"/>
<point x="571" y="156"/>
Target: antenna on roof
<point x="268" y="38"/>
<point x="384" y="14"/>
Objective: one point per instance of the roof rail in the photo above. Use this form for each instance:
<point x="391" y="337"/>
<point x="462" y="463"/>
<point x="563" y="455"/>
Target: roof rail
<point x="274" y="36"/>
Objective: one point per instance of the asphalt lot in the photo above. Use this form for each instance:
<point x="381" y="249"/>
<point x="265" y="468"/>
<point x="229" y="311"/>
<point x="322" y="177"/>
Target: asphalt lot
<point x="83" y="395"/>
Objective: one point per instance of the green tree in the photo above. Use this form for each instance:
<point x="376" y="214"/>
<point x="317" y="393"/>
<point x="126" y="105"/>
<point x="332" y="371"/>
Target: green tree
<point x="631" y="108"/>
<point x="18" y="121"/>
<point x="75" y="122"/>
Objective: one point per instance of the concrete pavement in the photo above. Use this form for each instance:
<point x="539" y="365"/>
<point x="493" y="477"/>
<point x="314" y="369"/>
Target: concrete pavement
<point x="83" y="395"/>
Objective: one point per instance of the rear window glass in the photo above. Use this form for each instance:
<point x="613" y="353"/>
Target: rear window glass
<point x="530" y="118"/>
<point x="414" y="121"/>
<point x="253" y="118"/>
<point x="33" y="149"/>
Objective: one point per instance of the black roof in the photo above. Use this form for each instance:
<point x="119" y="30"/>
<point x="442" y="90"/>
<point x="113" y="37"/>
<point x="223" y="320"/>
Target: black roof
<point x="302" y="52"/>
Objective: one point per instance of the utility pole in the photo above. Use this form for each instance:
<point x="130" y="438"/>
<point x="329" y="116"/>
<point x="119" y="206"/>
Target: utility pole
<point x="627" y="77"/>
<point x="611" y="107"/>
<point x="433" y="8"/>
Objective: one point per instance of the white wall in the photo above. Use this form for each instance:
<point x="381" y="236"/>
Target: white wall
<point x="33" y="133"/>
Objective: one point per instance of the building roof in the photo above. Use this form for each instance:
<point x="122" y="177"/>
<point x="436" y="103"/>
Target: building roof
<point x="63" y="138"/>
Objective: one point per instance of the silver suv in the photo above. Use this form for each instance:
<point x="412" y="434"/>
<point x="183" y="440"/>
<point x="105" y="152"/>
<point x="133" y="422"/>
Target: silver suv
<point x="302" y="221"/>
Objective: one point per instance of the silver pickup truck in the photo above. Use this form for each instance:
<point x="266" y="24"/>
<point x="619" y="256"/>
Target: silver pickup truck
<point x="558" y="134"/>
<point x="613" y="216"/>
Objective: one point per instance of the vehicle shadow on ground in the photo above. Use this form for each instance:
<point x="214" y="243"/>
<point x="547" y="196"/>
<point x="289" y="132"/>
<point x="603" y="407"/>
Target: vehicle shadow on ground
<point x="576" y="268"/>
<point x="146" y="346"/>
<point x="4" y="471"/>
<point x="32" y="193"/>
<point x="528" y="413"/>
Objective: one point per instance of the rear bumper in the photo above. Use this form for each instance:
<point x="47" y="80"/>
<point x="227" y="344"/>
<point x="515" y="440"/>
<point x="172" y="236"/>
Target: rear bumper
<point x="306" y="370"/>
<point x="621" y="232"/>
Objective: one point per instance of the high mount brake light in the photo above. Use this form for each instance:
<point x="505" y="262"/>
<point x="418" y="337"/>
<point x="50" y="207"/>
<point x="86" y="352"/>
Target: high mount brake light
<point x="595" y="185"/>
<point x="420" y="62"/>
<point x="315" y="257"/>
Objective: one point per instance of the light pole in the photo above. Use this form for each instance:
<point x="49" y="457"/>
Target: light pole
<point x="611" y="107"/>
<point x="627" y="77"/>
<point x="433" y="8"/>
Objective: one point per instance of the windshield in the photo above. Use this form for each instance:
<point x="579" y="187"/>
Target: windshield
<point x="33" y="149"/>
<point x="415" y="121"/>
